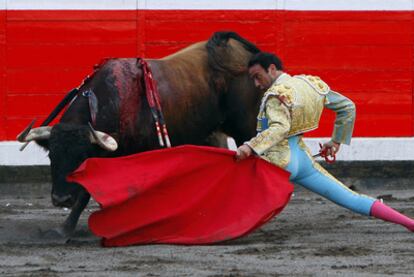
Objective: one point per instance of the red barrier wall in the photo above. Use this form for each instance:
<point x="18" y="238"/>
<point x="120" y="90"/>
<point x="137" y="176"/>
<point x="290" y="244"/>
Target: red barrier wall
<point x="367" y="56"/>
<point x="3" y="92"/>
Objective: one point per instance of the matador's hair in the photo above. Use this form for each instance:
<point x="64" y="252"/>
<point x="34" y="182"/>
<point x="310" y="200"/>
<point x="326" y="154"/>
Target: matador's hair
<point x="265" y="59"/>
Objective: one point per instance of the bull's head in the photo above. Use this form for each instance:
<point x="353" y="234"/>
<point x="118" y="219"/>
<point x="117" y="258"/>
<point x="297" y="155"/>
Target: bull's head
<point x="69" y="145"/>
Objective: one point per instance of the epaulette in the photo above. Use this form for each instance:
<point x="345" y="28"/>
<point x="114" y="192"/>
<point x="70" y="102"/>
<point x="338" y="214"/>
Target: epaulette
<point x="283" y="92"/>
<point x="316" y="83"/>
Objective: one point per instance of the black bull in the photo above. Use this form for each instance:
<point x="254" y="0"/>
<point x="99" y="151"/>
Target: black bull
<point x="204" y="89"/>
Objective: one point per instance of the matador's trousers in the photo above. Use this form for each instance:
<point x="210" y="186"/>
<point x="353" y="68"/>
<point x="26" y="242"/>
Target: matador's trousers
<point x="306" y="172"/>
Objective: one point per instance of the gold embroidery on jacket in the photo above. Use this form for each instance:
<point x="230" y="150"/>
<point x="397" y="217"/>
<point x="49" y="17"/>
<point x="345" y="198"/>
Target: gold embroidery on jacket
<point x="279" y="154"/>
<point x="306" y="106"/>
<point x="316" y="83"/>
<point x="278" y="116"/>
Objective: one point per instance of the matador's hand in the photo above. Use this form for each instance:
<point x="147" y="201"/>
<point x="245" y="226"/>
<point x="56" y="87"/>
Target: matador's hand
<point x="243" y="152"/>
<point x="330" y="148"/>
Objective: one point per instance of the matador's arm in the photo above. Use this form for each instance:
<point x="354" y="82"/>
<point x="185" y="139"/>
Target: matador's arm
<point x="278" y="116"/>
<point x="345" y="116"/>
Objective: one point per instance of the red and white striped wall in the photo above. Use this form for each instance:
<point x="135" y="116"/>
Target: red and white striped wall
<point x="364" y="49"/>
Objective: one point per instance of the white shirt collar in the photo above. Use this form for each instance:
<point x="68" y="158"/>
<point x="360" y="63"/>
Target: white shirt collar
<point x="281" y="78"/>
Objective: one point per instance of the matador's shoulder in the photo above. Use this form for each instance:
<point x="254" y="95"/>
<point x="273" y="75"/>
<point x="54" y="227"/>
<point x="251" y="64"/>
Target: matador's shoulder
<point x="283" y="92"/>
<point x="316" y="83"/>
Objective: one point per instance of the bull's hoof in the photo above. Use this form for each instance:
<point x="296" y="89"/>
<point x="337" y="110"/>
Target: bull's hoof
<point x="55" y="234"/>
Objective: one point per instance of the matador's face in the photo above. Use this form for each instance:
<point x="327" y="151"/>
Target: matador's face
<point x="262" y="78"/>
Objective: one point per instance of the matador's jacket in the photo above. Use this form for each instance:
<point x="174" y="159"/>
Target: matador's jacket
<point x="292" y="106"/>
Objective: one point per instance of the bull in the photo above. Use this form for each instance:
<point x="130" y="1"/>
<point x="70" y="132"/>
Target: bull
<point x="204" y="89"/>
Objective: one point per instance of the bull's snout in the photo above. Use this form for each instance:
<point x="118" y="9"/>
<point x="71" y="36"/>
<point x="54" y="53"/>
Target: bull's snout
<point x="62" y="201"/>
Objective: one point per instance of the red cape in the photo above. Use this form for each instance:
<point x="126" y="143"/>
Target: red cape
<point x="181" y="195"/>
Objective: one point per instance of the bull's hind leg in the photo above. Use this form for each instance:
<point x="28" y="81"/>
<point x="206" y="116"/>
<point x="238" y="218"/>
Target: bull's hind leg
<point x="68" y="227"/>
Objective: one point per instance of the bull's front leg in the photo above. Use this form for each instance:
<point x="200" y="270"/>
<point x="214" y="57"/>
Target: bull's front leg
<point x="68" y="227"/>
<point x="72" y="220"/>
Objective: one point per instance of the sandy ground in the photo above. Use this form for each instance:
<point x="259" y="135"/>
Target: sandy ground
<point x="312" y="237"/>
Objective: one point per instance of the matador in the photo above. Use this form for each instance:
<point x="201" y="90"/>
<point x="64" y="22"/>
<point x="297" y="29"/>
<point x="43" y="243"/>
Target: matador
<point x="292" y="106"/>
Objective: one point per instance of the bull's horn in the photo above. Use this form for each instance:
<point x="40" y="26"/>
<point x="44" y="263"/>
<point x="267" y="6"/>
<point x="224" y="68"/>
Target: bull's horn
<point x="103" y="139"/>
<point x="35" y="134"/>
<point x="20" y="137"/>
